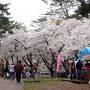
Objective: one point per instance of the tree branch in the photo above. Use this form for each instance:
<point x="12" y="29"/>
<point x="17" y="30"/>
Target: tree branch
<point x="25" y="61"/>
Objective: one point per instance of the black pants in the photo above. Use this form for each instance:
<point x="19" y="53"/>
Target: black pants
<point x="79" y="74"/>
<point x="18" y="77"/>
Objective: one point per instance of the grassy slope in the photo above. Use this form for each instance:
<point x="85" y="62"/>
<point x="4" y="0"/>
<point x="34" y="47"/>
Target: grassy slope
<point x="40" y="84"/>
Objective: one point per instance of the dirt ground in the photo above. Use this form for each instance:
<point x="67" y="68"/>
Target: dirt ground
<point x="64" y="85"/>
<point x="10" y="85"/>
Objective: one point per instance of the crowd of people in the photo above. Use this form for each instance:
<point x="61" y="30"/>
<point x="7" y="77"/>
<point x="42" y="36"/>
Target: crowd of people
<point x="11" y="71"/>
<point x="17" y="71"/>
<point x="79" y="70"/>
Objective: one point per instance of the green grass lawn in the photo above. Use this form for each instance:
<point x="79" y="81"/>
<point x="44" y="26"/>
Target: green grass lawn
<point x="54" y="84"/>
<point x="41" y="84"/>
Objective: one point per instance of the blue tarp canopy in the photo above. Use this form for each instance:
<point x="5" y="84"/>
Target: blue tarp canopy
<point x="85" y="51"/>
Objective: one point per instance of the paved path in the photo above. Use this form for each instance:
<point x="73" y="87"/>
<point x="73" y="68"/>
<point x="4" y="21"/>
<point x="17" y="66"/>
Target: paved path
<point x="10" y="85"/>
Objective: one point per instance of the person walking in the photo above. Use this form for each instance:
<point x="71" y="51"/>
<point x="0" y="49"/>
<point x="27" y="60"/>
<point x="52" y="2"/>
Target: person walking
<point x="18" y="69"/>
<point x="79" y="67"/>
<point x="72" y="69"/>
<point x="6" y="70"/>
<point x="11" y="71"/>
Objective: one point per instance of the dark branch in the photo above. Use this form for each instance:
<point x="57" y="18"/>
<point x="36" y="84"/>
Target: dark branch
<point x="25" y="62"/>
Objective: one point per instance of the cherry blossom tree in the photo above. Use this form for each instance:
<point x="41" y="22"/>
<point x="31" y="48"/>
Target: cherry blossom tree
<point x="72" y="33"/>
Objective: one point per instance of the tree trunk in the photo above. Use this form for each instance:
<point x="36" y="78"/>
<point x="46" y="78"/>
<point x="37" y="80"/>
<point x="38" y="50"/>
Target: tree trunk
<point x="66" y="70"/>
<point x="17" y="58"/>
<point x="12" y="57"/>
<point x="51" y="73"/>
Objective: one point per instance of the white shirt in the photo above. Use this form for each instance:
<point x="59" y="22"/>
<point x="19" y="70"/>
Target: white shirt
<point x="11" y="68"/>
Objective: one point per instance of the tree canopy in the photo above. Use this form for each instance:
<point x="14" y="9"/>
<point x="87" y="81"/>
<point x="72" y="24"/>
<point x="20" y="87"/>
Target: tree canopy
<point x="5" y="23"/>
<point x="64" y="7"/>
<point x="84" y="8"/>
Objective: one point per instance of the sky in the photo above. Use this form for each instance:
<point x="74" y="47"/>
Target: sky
<point x="24" y="11"/>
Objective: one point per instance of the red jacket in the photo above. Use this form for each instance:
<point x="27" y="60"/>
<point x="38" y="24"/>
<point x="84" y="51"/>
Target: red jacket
<point x="18" y="67"/>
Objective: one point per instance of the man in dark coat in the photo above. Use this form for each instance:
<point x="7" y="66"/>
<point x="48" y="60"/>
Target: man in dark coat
<point x="18" y="69"/>
<point x="79" y="66"/>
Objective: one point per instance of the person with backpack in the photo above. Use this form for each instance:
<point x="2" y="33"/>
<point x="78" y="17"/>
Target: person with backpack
<point x="18" y="69"/>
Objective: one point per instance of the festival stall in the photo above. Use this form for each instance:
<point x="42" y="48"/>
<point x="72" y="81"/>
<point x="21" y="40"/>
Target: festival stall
<point x="85" y="54"/>
<point x="85" y="57"/>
